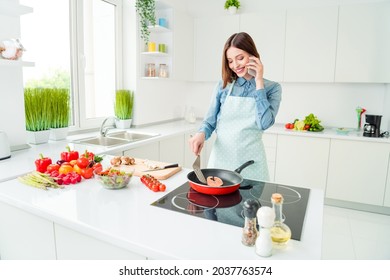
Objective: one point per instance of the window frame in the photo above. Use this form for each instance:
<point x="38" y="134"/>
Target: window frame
<point x="79" y="102"/>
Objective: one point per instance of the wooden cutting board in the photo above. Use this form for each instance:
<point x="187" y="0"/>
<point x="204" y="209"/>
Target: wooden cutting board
<point x="140" y="167"/>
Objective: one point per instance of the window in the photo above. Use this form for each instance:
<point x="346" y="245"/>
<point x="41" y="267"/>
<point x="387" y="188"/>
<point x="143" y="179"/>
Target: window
<point x="77" y="45"/>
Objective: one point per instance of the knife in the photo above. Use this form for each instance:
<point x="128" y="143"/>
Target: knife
<point x="162" y="168"/>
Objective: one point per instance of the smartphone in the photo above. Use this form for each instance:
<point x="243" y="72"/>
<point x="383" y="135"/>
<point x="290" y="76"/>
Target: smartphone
<point x="251" y="71"/>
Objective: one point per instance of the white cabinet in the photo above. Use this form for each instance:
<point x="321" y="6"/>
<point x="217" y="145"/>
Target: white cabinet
<point x="364" y="43"/>
<point x="72" y="245"/>
<point x="357" y="171"/>
<point x="386" y="201"/>
<point x="302" y="161"/>
<point x="24" y="236"/>
<point x="210" y="37"/>
<point x="268" y="29"/>
<point x="311" y="35"/>
<point x="149" y="151"/>
<point x="270" y="145"/>
<point x="172" y="150"/>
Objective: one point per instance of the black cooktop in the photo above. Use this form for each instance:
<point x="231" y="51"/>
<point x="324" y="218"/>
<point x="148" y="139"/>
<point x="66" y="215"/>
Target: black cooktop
<point x="228" y="208"/>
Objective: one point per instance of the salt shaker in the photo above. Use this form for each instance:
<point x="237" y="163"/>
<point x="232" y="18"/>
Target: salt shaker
<point x="265" y="218"/>
<point x="249" y="232"/>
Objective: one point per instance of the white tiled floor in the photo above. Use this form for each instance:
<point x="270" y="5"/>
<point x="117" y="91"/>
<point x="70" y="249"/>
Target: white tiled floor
<point x="355" y="235"/>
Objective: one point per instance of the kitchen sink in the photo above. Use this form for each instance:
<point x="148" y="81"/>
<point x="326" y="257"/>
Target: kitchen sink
<point x="116" y="138"/>
<point x="132" y="136"/>
<point x="102" y="141"/>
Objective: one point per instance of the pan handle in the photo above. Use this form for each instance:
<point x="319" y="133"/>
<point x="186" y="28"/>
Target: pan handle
<point x="239" y="169"/>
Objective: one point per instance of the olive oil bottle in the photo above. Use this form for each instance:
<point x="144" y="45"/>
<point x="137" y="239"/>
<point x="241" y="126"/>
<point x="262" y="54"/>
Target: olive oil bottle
<point x="280" y="232"/>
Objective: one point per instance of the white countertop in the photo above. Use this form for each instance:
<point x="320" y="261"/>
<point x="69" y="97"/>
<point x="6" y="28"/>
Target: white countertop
<point x="126" y="219"/>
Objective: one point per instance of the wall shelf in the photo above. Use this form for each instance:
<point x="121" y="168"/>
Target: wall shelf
<point x="5" y="62"/>
<point x="155" y="53"/>
<point x="14" y="9"/>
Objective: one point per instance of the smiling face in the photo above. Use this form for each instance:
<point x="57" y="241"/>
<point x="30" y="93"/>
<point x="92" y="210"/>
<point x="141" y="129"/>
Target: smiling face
<point x="237" y="60"/>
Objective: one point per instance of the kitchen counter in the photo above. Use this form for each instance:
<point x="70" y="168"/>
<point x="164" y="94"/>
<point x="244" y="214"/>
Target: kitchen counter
<point x="328" y="132"/>
<point x="126" y="219"/>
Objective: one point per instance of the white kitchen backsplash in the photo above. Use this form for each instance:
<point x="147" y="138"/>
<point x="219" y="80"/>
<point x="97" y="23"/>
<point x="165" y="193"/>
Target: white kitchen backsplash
<point x="334" y="104"/>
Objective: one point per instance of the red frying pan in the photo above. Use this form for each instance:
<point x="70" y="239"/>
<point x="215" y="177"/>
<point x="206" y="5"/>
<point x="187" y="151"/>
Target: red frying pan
<point x="231" y="180"/>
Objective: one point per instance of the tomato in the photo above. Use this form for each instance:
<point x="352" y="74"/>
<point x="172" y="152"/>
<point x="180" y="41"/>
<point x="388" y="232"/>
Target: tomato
<point x="53" y="167"/>
<point x="82" y="162"/>
<point x="77" y="169"/>
<point x="162" y="188"/>
<point x="306" y="127"/>
<point x="97" y="165"/>
<point x="87" y="173"/>
<point x="289" y="125"/>
<point x="65" y="169"/>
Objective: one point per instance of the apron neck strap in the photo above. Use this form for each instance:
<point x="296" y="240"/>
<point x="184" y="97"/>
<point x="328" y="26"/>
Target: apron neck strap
<point x="231" y="88"/>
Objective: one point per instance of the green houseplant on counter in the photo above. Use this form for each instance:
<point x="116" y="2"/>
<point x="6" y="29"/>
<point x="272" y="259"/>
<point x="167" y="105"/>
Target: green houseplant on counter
<point x="232" y="6"/>
<point x="59" y="113"/>
<point x="37" y="114"/>
<point x="146" y="10"/>
<point x="123" y="108"/>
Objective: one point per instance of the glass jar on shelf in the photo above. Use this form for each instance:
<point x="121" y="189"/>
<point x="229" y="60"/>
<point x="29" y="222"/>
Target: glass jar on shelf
<point x="280" y="232"/>
<point x="150" y="70"/>
<point x="163" y="71"/>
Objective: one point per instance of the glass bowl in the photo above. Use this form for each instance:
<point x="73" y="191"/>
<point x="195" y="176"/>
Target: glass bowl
<point x="342" y="131"/>
<point x="113" y="179"/>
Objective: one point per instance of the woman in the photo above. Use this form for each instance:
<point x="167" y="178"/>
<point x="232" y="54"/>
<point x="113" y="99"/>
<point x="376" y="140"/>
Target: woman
<point x="244" y="104"/>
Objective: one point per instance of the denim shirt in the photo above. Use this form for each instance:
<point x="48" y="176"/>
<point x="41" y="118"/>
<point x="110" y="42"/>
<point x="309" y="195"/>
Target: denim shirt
<point x="267" y="103"/>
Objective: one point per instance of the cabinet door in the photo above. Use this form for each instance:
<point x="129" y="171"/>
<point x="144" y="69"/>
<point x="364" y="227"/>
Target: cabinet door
<point x="210" y="37"/>
<point x="172" y="150"/>
<point x="311" y="35"/>
<point x="270" y="143"/>
<point x="183" y="55"/>
<point x="387" y="194"/>
<point x="357" y="171"/>
<point x="268" y="30"/>
<point x="24" y="236"/>
<point x="148" y="151"/>
<point x="72" y="245"/>
<point x="364" y="43"/>
<point x="302" y="161"/>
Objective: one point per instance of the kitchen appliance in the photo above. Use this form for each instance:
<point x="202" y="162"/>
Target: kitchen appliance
<point x="228" y="209"/>
<point x="372" y="128"/>
<point x="5" y="150"/>
<point x="231" y="180"/>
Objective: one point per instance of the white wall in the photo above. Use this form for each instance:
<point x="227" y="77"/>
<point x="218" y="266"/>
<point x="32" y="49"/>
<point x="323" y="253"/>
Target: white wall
<point x="333" y="103"/>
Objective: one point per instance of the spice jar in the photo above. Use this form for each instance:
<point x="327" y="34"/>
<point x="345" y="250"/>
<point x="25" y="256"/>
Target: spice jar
<point x="163" y="71"/>
<point x="249" y="232"/>
<point x="150" y="70"/>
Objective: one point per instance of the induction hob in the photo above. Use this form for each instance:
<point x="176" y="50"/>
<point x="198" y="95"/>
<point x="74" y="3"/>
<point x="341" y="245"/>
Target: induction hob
<point x="228" y="208"/>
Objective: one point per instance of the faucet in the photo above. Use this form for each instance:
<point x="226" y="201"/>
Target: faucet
<point x="104" y="129"/>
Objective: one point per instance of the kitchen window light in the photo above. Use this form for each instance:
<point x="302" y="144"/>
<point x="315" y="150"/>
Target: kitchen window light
<point x="76" y="44"/>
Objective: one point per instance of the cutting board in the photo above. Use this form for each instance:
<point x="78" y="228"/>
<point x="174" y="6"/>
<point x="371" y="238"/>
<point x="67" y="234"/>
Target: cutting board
<point x="140" y="167"/>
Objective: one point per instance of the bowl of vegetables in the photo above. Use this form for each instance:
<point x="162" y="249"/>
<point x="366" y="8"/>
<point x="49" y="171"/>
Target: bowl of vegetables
<point x="113" y="179"/>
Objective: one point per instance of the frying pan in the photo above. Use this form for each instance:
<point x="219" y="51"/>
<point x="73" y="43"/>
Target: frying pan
<point x="206" y="200"/>
<point x="231" y="180"/>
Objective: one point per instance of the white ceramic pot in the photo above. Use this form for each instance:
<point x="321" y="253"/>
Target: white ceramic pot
<point x="58" y="133"/>
<point x="232" y="10"/>
<point x="123" y="124"/>
<point x="5" y="150"/>
<point x="38" y="137"/>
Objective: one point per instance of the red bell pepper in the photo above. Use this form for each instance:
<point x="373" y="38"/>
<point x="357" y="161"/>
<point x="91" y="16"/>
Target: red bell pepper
<point x="89" y="155"/>
<point x="42" y="163"/>
<point x="69" y="155"/>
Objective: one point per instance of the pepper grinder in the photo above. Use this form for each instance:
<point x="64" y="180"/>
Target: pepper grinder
<point x="265" y="218"/>
<point x="249" y="232"/>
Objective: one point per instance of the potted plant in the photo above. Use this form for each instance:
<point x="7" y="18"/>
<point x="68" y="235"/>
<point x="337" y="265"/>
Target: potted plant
<point x="123" y="108"/>
<point x="59" y="113"/>
<point x="146" y="10"/>
<point x="37" y="114"/>
<point x="232" y="6"/>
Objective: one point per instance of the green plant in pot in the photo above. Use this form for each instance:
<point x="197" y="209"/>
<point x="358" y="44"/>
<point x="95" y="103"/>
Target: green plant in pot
<point x="232" y="6"/>
<point x="146" y="10"/>
<point x="123" y="108"/>
<point x="59" y="113"/>
<point x="37" y="114"/>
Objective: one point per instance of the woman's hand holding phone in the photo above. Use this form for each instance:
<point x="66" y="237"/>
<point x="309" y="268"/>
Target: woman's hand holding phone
<point x="255" y="69"/>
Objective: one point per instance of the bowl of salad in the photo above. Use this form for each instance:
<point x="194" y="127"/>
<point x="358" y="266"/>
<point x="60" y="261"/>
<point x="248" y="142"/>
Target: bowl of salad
<point x="113" y="179"/>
